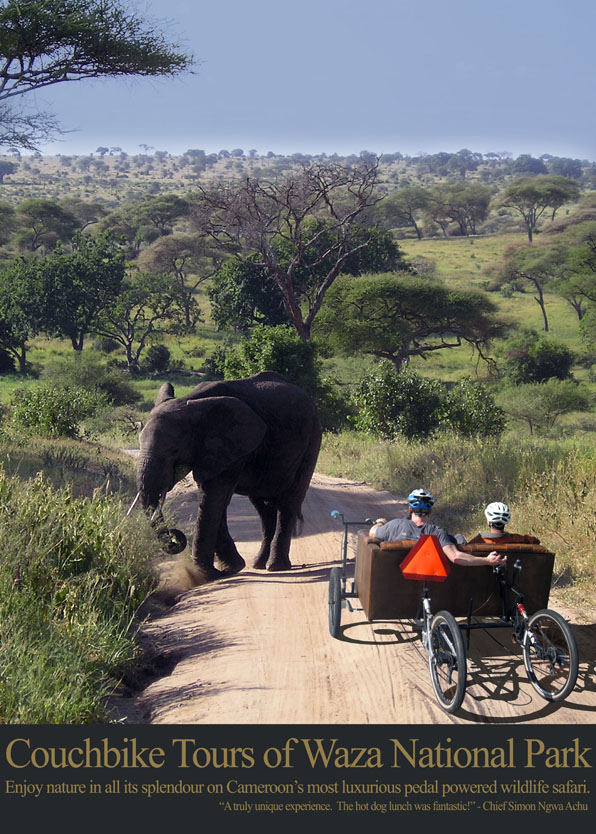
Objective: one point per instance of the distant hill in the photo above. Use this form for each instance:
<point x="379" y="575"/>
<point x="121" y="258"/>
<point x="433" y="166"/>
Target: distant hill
<point x="114" y="177"/>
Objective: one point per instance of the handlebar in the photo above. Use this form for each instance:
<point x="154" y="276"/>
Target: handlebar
<point x="336" y="514"/>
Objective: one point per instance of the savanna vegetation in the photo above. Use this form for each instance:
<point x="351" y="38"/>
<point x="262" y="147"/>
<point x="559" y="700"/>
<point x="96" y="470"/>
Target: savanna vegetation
<point x="441" y="310"/>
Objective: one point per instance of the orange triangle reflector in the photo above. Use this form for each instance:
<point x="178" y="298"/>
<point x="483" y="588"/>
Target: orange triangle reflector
<point x="426" y="561"/>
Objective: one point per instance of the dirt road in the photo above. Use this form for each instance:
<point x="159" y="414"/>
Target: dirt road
<point x="255" y="648"/>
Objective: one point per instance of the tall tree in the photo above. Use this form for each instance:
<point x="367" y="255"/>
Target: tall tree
<point x="242" y="297"/>
<point x="248" y="217"/>
<point x="182" y="256"/>
<point x="80" y="285"/>
<point x="46" y="42"/>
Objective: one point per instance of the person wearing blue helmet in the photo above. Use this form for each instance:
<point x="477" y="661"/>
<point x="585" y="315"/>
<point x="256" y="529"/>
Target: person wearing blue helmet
<point x="420" y="504"/>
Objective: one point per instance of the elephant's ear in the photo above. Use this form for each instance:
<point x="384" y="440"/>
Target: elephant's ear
<point x="166" y="392"/>
<point x="225" y="430"/>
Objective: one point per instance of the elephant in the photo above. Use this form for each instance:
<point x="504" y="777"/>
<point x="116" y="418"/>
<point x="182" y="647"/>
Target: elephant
<point x="258" y="436"/>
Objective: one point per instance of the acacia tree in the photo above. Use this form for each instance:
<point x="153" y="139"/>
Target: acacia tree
<point x="46" y="42"/>
<point x="532" y="196"/>
<point x="182" y="256"/>
<point x="250" y="216"/>
<point x="398" y="316"/>
<point x="147" y="305"/>
<point x="403" y="208"/>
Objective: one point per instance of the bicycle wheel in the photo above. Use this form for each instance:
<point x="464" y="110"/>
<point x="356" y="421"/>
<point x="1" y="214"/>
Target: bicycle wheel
<point x="447" y="661"/>
<point x="334" y="602"/>
<point x="550" y="655"/>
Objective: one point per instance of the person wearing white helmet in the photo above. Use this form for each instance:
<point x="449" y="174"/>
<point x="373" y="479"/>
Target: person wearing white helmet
<point x="420" y="504"/>
<point x="498" y="515"/>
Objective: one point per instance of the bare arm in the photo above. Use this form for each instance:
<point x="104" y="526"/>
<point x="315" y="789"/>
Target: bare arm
<point x="458" y="557"/>
<point x="378" y="523"/>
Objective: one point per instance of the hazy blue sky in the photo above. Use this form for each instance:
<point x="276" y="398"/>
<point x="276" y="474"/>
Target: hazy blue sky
<point x="338" y="75"/>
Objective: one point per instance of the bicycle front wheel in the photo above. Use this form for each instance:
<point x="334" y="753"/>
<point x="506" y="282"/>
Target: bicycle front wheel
<point x="447" y="661"/>
<point x="550" y="655"/>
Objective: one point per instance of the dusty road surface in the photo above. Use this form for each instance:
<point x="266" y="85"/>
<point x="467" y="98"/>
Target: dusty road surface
<point x="255" y="647"/>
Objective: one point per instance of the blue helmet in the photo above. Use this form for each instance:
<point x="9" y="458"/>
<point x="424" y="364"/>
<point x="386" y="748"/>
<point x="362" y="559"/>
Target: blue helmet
<point x="420" y="500"/>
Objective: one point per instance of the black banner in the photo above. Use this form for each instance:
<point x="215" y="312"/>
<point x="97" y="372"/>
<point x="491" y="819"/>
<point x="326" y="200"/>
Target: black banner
<point x="310" y="772"/>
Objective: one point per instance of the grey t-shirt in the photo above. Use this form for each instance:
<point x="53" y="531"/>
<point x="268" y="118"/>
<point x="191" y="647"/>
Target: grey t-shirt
<point x="404" y="528"/>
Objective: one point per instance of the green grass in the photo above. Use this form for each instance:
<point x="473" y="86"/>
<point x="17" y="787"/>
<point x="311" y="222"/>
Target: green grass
<point x="73" y="577"/>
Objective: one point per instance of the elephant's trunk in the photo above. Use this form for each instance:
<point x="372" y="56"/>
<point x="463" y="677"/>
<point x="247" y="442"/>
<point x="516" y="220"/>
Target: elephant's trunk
<point x="152" y="484"/>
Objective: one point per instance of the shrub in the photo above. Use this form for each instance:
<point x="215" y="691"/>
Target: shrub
<point x="157" y="359"/>
<point x="531" y="357"/>
<point x="540" y="404"/>
<point x="87" y="370"/>
<point x="470" y="409"/>
<point x="280" y="349"/>
<point x="54" y="411"/>
<point x="391" y="403"/>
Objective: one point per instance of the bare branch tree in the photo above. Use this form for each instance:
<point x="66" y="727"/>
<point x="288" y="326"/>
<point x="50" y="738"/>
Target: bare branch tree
<point x="248" y="218"/>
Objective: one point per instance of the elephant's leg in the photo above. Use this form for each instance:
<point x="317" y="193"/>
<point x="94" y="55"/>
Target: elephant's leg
<point x="227" y="556"/>
<point x="279" y="558"/>
<point x="267" y="511"/>
<point x="214" y="497"/>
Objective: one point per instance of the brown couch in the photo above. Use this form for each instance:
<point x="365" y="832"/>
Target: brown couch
<point x="386" y="595"/>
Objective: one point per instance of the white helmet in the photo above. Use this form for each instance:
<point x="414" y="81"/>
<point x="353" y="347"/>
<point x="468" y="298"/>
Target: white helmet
<point x="498" y="514"/>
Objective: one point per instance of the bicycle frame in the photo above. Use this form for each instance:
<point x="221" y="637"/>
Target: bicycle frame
<point x="513" y="615"/>
<point x="348" y="595"/>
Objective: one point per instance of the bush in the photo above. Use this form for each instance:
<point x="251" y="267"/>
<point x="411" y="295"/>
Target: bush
<point x="157" y="359"/>
<point x="530" y="357"/>
<point x="391" y="403"/>
<point x="470" y="409"/>
<point x="277" y="349"/>
<point x="53" y="411"/>
<point x="540" y="404"/>
<point x="280" y="349"/>
<point x="87" y="370"/>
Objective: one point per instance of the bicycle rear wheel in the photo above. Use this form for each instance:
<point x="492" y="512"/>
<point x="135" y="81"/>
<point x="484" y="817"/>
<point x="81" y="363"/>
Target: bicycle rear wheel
<point x="550" y="655"/>
<point x="447" y="661"/>
<point x="334" y="602"/>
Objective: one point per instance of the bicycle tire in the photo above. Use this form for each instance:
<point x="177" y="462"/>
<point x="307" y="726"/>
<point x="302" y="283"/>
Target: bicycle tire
<point x="550" y="655"/>
<point x="447" y="661"/>
<point x="334" y="602"/>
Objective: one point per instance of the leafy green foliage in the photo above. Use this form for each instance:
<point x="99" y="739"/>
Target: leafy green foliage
<point x="280" y="349"/>
<point x="394" y="403"/>
<point x="531" y="196"/>
<point x="397" y="316"/>
<point x="391" y="403"/>
<point x="532" y="357"/>
<point x="69" y="593"/>
<point x="157" y="358"/>
<point x="540" y="404"/>
<point x="88" y="370"/>
<point x="276" y="349"/>
<point x="46" y="42"/>
<point x="54" y="411"/>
